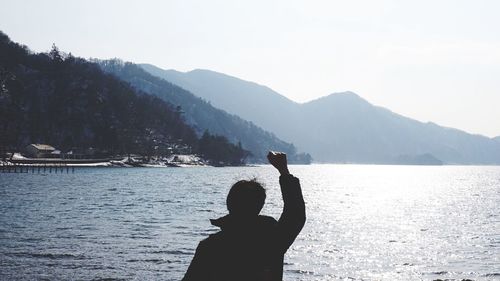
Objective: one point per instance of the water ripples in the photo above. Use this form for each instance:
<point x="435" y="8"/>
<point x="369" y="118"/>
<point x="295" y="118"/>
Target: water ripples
<point x="364" y="222"/>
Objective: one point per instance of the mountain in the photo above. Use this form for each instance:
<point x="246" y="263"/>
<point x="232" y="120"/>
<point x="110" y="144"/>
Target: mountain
<point x="341" y="127"/>
<point x="70" y="103"/>
<point x="250" y="101"/>
<point x="361" y="132"/>
<point x="202" y="115"/>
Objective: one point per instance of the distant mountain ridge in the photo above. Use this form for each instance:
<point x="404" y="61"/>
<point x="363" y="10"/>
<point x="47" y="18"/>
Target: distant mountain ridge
<point x="340" y="127"/>
<point x="245" y="99"/>
<point x="202" y="115"/>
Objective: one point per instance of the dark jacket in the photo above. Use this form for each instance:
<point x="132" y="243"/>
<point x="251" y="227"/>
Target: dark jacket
<point x="250" y="248"/>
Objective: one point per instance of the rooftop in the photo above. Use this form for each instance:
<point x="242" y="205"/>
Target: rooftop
<point x="42" y="146"/>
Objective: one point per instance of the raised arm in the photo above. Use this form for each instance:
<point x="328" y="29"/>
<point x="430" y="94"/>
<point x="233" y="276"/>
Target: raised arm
<point x="294" y="212"/>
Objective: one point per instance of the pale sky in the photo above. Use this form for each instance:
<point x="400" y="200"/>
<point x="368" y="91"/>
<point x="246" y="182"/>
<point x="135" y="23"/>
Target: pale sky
<point x="433" y="60"/>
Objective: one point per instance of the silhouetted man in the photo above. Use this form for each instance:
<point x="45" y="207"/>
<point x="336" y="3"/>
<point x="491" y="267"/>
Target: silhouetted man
<point x="250" y="246"/>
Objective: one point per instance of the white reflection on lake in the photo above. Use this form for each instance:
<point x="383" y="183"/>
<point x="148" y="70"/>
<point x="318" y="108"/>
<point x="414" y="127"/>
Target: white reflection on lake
<point x="365" y="222"/>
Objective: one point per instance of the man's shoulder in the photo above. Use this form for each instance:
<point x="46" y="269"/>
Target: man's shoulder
<point x="208" y="244"/>
<point x="213" y="239"/>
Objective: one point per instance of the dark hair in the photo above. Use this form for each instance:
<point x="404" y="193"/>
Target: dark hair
<point x="246" y="197"/>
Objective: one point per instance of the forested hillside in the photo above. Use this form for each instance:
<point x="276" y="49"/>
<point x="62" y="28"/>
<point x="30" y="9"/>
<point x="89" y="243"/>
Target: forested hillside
<point x="68" y="102"/>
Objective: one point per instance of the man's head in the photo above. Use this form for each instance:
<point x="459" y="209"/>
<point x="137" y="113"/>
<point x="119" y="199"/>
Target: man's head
<point x="246" y="198"/>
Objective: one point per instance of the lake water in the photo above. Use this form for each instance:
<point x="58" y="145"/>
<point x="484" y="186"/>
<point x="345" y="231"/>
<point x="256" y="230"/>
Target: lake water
<point x="364" y="222"/>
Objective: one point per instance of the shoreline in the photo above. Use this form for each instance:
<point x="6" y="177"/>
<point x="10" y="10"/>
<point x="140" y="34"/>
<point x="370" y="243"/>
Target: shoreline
<point x="126" y="162"/>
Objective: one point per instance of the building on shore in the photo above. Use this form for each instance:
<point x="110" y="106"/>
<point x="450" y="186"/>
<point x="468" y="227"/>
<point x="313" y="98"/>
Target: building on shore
<point x="37" y="150"/>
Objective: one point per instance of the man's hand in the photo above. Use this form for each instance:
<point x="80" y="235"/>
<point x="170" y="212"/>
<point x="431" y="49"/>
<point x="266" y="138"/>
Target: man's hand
<point x="278" y="160"/>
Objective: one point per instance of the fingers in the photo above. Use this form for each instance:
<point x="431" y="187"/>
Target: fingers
<point x="273" y="154"/>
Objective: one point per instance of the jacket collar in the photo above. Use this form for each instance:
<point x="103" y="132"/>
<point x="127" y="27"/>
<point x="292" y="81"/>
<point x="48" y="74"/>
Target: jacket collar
<point x="232" y="221"/>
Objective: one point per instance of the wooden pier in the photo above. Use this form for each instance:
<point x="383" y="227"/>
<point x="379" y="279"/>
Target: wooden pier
<point x="36" y="168"/>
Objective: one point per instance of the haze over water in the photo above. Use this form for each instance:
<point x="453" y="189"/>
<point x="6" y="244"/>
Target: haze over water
<point x="365" y="222"/>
